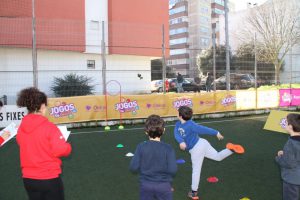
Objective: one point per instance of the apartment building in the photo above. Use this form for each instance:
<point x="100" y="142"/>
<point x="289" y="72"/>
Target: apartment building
<point x="217" y="9"/>
<point x="69" y="36"/>
<point x="190" y="33"/>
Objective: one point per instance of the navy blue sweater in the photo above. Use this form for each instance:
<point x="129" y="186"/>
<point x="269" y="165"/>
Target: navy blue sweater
<point x="154" y="161"/>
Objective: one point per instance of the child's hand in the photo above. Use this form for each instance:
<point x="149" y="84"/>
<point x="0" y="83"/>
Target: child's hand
<point x="219" y="136"/>
<point x="182" y="146"/>
<point x="5" y="135"/>
<point x="280" y="153"/>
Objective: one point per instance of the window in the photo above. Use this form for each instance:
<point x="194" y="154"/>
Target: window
<point x="204" y="10"/>
<point x="204" y="20"/>
<point x="177" y="10"/>
<point x="94" y="25"/>
<point x="177" y="51"/>
<point x="178" y="41"/>
<point x="204" y="30"/>
<point x="91" y="64"/>
<point x="177" y="31"/>
<point x="178" y="20"/>
<point x="218" y="11"/>
<point x="204" y="41"/>
<point x="220" y="2"/>
<point x="178" y="62"/>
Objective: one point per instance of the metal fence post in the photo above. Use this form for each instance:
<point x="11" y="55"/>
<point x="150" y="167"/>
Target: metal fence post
<point x="103" y="60"/>
<point x="163" y="59"/>
<point x="34" y="51"/>
<point x="214" y="58"/>
<point x="227" y="47"/>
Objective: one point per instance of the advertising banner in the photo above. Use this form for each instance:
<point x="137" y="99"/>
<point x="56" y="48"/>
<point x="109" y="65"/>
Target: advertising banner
<point x="205" y="103"/>
<point x="11" y="113"/>
<point x="285" y="97"/>
<point x="76" y="109"/>
<point x="295" y="97"/>
<point x="245" y="100"/>
<point x="277" y="121"/>
<point x="226" y="101"/>
<point x="267" y="99"/>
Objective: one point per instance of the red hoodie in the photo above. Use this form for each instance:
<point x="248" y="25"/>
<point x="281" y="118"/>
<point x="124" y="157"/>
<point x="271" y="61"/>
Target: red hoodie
<point x="41" y="146"/>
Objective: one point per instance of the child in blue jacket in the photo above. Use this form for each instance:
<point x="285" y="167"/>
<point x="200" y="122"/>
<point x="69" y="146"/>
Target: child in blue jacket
<point x="187" y="134"/>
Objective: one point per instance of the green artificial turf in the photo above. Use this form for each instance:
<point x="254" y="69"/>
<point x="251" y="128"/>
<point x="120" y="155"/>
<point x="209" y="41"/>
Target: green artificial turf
<point x="97" y="170"/>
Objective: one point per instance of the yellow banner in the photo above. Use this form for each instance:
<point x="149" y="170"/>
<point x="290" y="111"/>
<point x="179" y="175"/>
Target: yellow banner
<point x="76" y="109"/>
<point x="267" y="99"/>
<point x="116" y="107"/>
<point x="277" y="121"/>
<point x="225" y="101"/>
<point x="245" y="100"/>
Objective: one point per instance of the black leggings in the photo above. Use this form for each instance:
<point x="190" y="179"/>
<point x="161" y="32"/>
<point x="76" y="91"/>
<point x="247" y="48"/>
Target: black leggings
<point x="50" y="189"/>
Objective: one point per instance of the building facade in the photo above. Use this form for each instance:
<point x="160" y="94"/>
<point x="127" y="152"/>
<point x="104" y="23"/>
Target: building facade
<point x="69" y="36"/>
<point x="190" y="33"/>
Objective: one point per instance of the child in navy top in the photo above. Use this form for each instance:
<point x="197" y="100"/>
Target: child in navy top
<point x="187" y="134"/>
<point x="289" y="159"/>
<point x="155" y="162"/>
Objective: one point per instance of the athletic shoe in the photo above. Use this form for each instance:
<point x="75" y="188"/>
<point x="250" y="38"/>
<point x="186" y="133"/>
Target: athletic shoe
<point x="193" y="195"/>
<point x="235" y="148"/>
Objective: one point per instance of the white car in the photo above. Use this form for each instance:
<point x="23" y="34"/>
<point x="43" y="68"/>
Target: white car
<point x="156" y="86"/>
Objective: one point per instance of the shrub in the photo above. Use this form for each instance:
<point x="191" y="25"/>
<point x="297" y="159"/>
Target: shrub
<point x="72" y="85"/>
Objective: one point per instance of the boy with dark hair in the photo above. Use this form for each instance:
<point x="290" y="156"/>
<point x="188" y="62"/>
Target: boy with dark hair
<point x="155" y="161"/>
<point x="289" y="159"/>
<point x="187" y="134"/>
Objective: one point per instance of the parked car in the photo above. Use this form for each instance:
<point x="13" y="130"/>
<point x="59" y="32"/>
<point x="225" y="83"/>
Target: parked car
<point x="156" y="86"/>
<point x="237" y="81"/>
<point x="187" y="85"/>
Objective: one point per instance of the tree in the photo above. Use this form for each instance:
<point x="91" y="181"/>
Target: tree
<point x="205" y="61"/>
<point x="276" y="25"/>
<point x="244" y="60"/>
<point x="72" y="85"/>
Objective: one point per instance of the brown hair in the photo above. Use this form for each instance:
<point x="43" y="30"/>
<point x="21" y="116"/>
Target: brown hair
<point x="294" y="120"/>
<point x="32" y="99"/>
<point x="154" y="126"/>
<point x="185" y="112"/>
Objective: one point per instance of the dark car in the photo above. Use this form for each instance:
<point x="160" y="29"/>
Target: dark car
<point x="237" y="81"/>
<point x="188" y="85"/>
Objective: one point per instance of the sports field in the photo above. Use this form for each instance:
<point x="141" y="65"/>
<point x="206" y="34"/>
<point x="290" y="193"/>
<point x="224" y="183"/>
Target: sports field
<point x="98" y="170"/>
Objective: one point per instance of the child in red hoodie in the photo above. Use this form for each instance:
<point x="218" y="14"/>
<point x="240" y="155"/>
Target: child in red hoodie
<point x="41" y="146"/>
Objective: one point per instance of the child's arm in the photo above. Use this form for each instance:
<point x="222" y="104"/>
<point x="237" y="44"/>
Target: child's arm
<point x="179" y="138"/>
<point x="203" y="130"/>
<point x="135" y="161"/>
<point x="286" y="159"/>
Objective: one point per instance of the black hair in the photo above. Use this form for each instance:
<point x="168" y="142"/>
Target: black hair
<point x="185" y="112"/>
<point x="32" y="99"/>
<point x="294" y="120"/>
<point x="154" y="126"/>
<point x="1" y="104"/>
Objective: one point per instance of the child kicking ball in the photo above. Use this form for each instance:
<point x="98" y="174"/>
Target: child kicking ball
<point x="187" y="134"/>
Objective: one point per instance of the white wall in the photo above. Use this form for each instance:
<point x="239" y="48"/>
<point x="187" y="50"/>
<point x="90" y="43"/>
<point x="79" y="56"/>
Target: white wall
<point x="96" y="11"/>
<point x="16" y="70"/>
